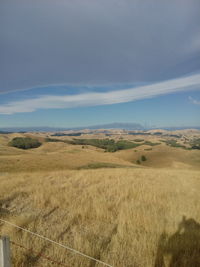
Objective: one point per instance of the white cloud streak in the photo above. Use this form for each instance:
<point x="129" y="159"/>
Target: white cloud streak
<point x="106" y="98"/>
<point x="194" y="101"/>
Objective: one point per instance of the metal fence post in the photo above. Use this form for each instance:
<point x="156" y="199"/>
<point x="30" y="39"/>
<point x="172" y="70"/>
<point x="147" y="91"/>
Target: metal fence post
<point x="5" y="251"/>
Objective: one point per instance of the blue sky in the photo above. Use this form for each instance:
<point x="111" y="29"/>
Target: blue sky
<point x="175" y="109"/>
<point x="80" y="63"/>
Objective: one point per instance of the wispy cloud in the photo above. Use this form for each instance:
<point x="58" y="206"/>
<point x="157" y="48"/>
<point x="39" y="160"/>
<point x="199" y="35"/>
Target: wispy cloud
<point x="194" y="101"/>
<point x="106" y="98"/>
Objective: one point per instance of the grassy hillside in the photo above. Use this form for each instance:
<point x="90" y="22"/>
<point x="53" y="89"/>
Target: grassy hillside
<point x="125" y="217"/>
<point x="104" y="204"/>
<point x="54" y="156"/>
<point x="64" y="156"/>
<point x="163" y="156"/>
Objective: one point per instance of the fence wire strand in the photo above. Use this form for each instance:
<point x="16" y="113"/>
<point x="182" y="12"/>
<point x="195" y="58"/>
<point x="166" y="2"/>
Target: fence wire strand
<point x="39" y="254"/>
<point x="56" y="243"/>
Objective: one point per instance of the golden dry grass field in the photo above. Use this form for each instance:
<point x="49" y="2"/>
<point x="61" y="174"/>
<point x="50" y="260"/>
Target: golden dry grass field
<point x="127" y="216"/>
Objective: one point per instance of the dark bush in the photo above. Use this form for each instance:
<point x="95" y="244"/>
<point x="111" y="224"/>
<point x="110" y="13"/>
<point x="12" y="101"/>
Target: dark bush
<point x="196" y="147"/>
<point x="24" y="142"/>
<point x="99" y="165"/>
<point x="148" y="143"/>
<point x="195" y="144"/>
<point x="173" y="143"/>
<point x="143" y="158"/>
<point x="109" y="145"/>
<point x="65" y="134"/>
<point x="52" y="140"/>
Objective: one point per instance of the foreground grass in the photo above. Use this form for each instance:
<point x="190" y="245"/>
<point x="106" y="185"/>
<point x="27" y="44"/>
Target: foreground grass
<point x="125" y="217"/>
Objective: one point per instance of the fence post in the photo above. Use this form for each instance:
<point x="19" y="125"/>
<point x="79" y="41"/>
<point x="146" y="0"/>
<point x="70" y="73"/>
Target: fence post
<point x="5" y="251"/>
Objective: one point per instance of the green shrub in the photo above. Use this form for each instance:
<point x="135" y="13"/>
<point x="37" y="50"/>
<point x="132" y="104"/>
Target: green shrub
<point x="195" y="147"/>
<point x="138" y="161"/>
<point x="195" y="144"/>
<point x="66" y="134"/>
<point x="24" y="142"/>
<point x="148" y="143"/>
<point x="143" y="158"/>
<point x="173" y="143"/>
<point x="52" y="140"/>
<point x="109" y="145"/>
<point x="98" y="165"/>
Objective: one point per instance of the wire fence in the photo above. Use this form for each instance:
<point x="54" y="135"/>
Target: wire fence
<point x="53" y="242"/>
<point x="41" y="255"/>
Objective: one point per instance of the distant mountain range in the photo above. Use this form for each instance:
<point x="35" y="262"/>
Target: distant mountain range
<point x="115" y="125"/>
<point x="125" y="126"/>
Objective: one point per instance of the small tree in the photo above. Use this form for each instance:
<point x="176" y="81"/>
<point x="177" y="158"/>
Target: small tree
<point x="143" y="158"/>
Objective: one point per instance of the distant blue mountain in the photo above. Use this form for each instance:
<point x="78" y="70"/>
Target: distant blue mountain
<point x="115" y="125"/>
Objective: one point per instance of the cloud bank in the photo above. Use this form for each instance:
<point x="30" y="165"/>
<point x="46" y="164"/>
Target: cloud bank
<point x="93" y="99"/>
<point x="48" y="42"/>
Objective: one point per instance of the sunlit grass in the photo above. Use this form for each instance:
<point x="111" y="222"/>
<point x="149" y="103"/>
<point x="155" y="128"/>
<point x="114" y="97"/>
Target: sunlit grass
<point x="116" y="215"/>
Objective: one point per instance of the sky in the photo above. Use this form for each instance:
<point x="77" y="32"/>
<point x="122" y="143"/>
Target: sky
<point x="79" y="63"/>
